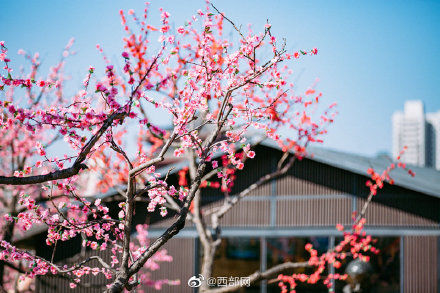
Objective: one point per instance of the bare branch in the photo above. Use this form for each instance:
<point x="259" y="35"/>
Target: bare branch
<point x="230" y="21"/>
<point x="258" y="276"/>
<point x="159" y="158"/>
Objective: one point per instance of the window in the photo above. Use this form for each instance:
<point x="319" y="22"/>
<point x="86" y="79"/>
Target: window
<point x="383" y="269"/>
<point x="292" y="249"/>
<point x="238" y="257"/>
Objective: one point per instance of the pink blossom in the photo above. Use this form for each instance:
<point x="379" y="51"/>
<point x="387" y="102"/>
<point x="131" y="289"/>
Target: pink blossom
<point x="180" y="30"/>
<point x="163" y="211"/>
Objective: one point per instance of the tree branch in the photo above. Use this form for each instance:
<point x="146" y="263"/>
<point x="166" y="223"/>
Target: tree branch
<point x="258" y="276"/>
<point x="68" y="172"/>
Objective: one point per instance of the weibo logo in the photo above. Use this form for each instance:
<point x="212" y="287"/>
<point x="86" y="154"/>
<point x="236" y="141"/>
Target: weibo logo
<point x="196" y="281"/>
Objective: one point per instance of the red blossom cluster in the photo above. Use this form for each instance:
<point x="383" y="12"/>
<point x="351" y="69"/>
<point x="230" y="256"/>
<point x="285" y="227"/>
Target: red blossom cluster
<point x="355" y="244"/>
<point x="377" y="180"/>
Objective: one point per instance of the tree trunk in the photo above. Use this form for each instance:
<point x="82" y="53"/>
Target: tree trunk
<point x="8" y="232"/>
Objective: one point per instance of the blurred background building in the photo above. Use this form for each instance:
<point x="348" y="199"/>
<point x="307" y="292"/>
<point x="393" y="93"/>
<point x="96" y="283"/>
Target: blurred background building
<point x="420" y="132"/>
<point x="273" y="223"/>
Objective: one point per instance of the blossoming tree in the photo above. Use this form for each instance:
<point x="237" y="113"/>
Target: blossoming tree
<point x="203" y="81"/>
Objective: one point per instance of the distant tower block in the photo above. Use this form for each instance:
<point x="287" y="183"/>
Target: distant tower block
<point x="433" y="121"/>
<point x="419" y="132"/>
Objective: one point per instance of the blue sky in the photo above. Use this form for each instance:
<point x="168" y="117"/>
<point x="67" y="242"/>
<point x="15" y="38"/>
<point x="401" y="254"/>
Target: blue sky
<point x="373" y="55"/>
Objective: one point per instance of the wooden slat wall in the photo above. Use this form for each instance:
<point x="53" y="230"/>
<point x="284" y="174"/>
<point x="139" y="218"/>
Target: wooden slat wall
<point x="248" y="213"/>
<point x="314" y="212"/>
<point x="291" y="185"/>
<point x="254" y="170"/>
<point x="182" y="267"/>
<point x="382" y="215"/>
<point x="182" y="251"/>
<point x="244" y="214"/>
<point x="265" y="189"/>
<point x="420" y="264"/>
<point x="54" y="284"/>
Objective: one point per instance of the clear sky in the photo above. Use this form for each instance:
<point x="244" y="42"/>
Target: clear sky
<point x="373" y="55"/>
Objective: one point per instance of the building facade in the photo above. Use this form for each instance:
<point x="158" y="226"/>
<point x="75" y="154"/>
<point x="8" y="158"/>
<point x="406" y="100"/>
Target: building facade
<point x="420" y="132"/>
<point x="273" y="223"/>
<point x="433" y="124"/>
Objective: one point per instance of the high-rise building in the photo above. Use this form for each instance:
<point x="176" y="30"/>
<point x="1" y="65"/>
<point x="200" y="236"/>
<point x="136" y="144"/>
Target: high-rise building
<point x="433" y="127"/>
<point x="418" y="131"/>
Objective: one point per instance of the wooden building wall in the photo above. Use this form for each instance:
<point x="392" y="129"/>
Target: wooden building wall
<point x="421" y="264"/>
<point x="89" y="283"/>
<point x="311" y="195"/>
<point x="182" y="268"/>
